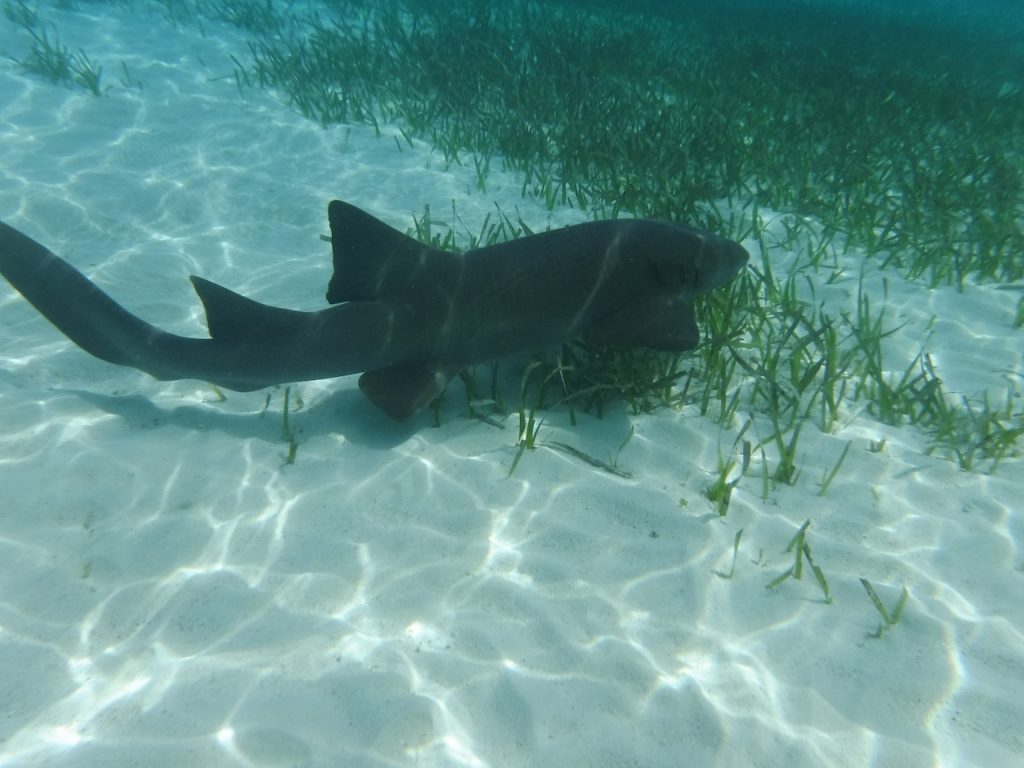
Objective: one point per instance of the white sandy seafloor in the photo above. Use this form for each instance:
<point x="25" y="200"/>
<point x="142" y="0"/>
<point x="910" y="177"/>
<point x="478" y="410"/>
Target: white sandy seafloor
<point x="173" y="594"/>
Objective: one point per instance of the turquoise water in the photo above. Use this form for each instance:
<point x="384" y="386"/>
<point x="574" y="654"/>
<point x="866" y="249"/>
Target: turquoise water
<point x="174" y="592"/>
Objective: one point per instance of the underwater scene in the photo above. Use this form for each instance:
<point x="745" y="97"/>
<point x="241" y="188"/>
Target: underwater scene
<point x="525" y="383"/>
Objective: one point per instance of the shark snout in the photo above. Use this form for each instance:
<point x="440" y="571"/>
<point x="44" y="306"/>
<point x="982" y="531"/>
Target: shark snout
<point x="718" y="262"/>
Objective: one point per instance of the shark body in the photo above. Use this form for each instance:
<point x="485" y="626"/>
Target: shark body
<point x="406" y="315"/>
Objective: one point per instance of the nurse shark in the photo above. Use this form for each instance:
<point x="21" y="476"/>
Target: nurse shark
<point x="407" y="316"/>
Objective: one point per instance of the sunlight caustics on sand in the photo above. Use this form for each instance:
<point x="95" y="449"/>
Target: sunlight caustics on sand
<point x="173" y="592"/>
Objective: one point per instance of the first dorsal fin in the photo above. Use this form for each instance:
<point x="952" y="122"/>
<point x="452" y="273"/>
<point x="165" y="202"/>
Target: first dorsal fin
<point x="373" y="261"/>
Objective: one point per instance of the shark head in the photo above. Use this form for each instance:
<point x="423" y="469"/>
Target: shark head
<point x="663" y="267"/>
<point x="694" y="261"/>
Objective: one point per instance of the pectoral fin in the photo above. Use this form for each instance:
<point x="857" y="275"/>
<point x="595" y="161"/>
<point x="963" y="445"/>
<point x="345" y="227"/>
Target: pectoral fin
<point x="664" y="323"/>
<point x="402" y="390"/>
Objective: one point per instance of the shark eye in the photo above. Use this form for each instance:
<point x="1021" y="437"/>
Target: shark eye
<point x="672" y="275"/>
<point x="686" y="275"/>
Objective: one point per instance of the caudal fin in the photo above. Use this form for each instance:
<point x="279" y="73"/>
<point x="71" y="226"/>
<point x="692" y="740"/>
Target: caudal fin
<point x="67" y="298"/>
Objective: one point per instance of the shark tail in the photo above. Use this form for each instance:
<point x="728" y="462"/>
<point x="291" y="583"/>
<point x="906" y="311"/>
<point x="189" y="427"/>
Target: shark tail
<point x="67" y="298"/>
<point x="252" y="345"/>
<point x="102" y="327"/>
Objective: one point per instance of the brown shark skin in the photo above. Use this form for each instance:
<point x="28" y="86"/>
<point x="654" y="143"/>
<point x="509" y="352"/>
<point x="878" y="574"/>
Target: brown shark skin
<point x="408" y="315"/>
